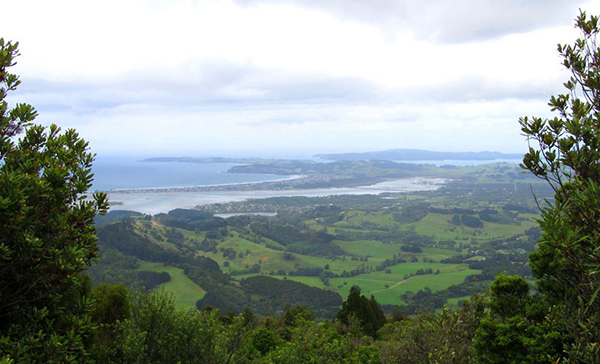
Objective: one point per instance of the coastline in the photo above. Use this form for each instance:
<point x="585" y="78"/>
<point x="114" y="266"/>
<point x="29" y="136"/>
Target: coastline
<point x="156" y="201"/>
<point x="239" y="186"/>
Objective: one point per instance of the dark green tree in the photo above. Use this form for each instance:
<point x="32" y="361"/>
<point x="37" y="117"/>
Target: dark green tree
<point x="319" y="343"/>
<point x="565" y="151"/>
<point x="111" y="303"/>
<point x="157" y="332"/>
<point x="111" y="306"/>
<point x="367" y="312"/>
<point x="517" y="329"/>
<point x="263" y="340"/>
<point x="47" y="236"/>
<point x="433" y="338"/>
<point x="509" y="294"/>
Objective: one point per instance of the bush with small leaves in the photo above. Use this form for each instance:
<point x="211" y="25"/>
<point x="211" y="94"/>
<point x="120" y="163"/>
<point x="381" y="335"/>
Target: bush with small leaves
<point x="47" y="233"/>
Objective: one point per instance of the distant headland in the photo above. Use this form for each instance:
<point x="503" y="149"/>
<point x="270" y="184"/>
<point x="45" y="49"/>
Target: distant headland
<point x="419" y="155"/>
<point x="340" y="170"/>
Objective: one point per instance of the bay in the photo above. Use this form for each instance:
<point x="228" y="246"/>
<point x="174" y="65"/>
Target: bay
<point x="112" y="174"/>
<point x="157" y="202"/>
<point x="130" y="173"/>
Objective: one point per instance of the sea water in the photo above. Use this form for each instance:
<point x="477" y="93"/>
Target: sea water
<point x="156" y="202"/>
<point x="131" y="173"/>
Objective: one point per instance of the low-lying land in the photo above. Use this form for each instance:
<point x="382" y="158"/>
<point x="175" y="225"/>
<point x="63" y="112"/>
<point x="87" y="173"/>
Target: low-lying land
<point x="415" y="250"/>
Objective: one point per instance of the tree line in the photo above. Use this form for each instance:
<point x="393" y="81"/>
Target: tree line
<point x="49" y="313"/>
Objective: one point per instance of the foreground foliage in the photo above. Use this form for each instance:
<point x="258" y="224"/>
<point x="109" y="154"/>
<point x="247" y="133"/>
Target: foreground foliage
<point x="48" y="314"/>
<point x="563" y="322"/>
<point x="47" y="237"/>
<point x="157" y="332"/>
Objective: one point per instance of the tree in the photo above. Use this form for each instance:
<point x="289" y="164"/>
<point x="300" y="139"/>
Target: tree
<point x="433" y="338"/>
<point x="158" y="332"/>
<point x="111" y="306"/>
<point x="565" y="151"/>
<point x="47" y="236"/>
<point x="368" y="312"/>
<point x="517" y="329"/>
<point x="508" y="294"/>
<point x="318" y="343"/>
<point x="111" y="303"/>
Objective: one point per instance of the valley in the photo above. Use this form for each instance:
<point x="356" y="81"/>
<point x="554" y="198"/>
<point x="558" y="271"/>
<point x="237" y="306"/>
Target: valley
<point x="418" y="250"/>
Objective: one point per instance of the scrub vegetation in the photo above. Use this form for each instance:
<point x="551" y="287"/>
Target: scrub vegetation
<point x="498" y="266"/>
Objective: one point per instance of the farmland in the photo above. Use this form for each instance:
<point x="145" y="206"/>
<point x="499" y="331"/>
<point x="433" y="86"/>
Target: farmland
<point x="409" y="249"/>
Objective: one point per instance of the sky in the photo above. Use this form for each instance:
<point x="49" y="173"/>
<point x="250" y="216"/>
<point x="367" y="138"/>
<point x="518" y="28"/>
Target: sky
<point x="290" y="77"/>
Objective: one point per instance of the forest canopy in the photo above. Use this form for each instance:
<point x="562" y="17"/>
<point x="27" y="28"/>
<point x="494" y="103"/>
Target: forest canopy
<point x="50" y="313"/>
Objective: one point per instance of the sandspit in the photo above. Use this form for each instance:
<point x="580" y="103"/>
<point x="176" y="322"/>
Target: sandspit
<point x="155" y="201"/>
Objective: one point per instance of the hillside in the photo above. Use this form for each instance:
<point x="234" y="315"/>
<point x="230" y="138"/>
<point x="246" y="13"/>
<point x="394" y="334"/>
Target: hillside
<point x="411" y="250"/>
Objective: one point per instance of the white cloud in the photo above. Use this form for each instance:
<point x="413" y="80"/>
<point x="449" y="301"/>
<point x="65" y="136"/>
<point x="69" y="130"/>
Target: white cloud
<point x="200" y="76"/>
<point x="442" y="21"/>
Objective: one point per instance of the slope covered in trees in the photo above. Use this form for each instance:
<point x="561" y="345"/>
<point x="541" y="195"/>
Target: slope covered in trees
<point x="48" y="314"/>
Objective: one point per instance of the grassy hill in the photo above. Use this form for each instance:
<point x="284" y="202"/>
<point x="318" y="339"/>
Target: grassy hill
<point x="416" y="250"/>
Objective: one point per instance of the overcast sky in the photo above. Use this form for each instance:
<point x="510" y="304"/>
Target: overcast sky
<point x="290" y="77"/>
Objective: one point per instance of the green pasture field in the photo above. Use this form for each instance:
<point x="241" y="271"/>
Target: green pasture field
<point x="380" y="251"/>
<point x="438" y="225"/>
<point x="144" y="227"/>
<point x="437" y="282"/>
<point x="352" y="213"/>
<point x="375" y="283"/>
<point x="403" y="269"/>
<point x="380" y="219"/>
<point x="386" y="287"/>
<point x="336" y="266"/>
<point x="309" y="281"/>
<point x="373" y="248"/>
<point x="272" y="260"/>
<point x="259" y="254"/>
<point x="185" y="292"/>
<point x="332" y="229"/>
<point x="438" y="254"/>
<point x="435" y="225"/>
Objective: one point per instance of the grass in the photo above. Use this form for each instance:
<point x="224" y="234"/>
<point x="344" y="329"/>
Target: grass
<point x="309" y="281"/>
<point x="272" y="260"/>
<point x="438" y="225"/>
<point x="379" y="251"/>
<point x="185" y="292"/>
<point x="372" y="248"/>
<point x="386" y="287"/>
<point x="438" y="254"/>
<point x="397" y="284"/>
<point x="379" y="219"/>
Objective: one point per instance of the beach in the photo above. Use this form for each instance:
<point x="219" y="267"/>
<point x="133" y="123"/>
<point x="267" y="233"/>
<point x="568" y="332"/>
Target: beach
<point x="157" y="201"/>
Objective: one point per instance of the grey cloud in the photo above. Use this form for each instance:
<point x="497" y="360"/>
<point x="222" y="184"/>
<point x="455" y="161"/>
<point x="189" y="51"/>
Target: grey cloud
<point x="481" y="89"/>
<point x="212" y="86"/>
<point x="244" y="87"/>
<point x="268" y="85"/>
<point x="477" y="20"/>
<point x="443" y="21"/>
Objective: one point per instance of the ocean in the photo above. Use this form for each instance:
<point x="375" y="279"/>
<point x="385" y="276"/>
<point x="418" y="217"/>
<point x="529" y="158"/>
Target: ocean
<point x="114" y="173"/>
<point x="131" y="173"/>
